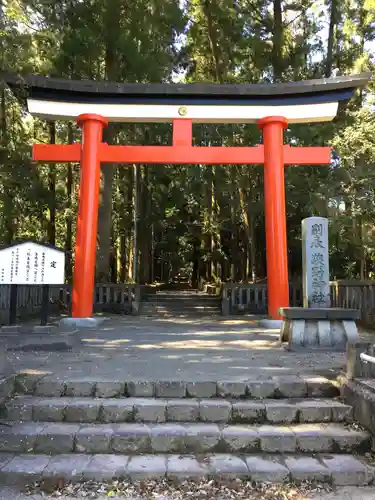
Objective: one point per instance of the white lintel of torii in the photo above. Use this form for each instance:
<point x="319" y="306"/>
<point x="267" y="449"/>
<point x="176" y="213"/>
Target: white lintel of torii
<point x="296" y="113"/>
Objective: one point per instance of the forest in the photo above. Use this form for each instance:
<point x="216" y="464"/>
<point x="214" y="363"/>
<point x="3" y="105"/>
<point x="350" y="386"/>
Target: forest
<point x="156" y="220"/>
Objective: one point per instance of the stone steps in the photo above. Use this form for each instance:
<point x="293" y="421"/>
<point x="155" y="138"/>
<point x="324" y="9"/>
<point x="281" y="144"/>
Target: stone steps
<point x="179" y="310"/>
<point x="339" y="470"/>
<point x="183" y="438"/>
<point x="153" y="410"/>
<point x="189" y="302"/>
<point x="177" y="296"/>
<point x="181" y="305"/>
<point x="183" y="308"/>
<point x="265" y="429"/>
<point x="282" y="387"/>
<point x="151" y="312"/>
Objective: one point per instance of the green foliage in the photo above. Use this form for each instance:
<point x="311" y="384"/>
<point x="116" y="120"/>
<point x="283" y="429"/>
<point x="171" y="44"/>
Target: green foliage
<point x="208" y="221"/>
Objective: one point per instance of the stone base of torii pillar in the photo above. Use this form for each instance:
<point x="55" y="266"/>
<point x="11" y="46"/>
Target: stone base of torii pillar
<point x="324" y="328"/>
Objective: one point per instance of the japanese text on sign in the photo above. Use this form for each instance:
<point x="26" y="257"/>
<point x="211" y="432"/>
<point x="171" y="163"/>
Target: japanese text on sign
<point x="315" y="262"/>
<point x="30" y="263"/>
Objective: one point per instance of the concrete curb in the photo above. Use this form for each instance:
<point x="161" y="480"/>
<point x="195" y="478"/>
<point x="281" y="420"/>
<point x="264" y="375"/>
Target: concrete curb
<point x="271" y="324"/>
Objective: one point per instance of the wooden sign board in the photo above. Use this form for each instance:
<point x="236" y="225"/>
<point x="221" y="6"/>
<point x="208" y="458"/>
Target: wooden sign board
<point x="30" y="263"/>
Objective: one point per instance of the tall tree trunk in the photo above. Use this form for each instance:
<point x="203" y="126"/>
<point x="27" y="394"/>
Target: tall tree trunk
<point x="113" y="257"/>
<point x="220" y="77"/>
<point x="129" y="232"/>
<point x="212" y="36"/>
<point x="69" y="213"/>
<point x="135" y="252"/>
<point x="51" y="225"/>
<point x="216" y="234"/>
<point x="331" y="38"/>
<point x="249" y="230"/>
<point x="105" y="218"/>
<point x="242" y="198"/>
<point x="362" y="28"/>
<point x="8" y="209"/>
<point x="3" y="116"/>
<point x="123" y="255"/>
<point x="234" y="231"/>
<point x="252" y="248"/>
<point x="144" y="235"/>
<point x="362" y="249"/>
<point x="8" y="215"/>
<point x="113" y="32"/>
<point x="277" y="41"/>
<point x="209" y="236"/>
<point x="115" y="229"/>
<point x="122" y="223"/>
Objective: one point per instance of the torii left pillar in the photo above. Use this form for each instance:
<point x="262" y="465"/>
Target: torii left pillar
<point x="87" y="223"/>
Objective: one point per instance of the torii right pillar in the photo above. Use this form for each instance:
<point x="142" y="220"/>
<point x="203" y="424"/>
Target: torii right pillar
<point x="275" y="214"/>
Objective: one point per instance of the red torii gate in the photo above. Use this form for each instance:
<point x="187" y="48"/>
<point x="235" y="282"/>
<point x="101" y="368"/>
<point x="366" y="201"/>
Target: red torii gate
<point x="92" y="151"/>
<point x="272" y="106"/>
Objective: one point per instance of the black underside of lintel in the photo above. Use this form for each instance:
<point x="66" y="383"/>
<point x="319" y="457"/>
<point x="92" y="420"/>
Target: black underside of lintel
<point x="188" y="99"/>
<point x="309" y="91"/>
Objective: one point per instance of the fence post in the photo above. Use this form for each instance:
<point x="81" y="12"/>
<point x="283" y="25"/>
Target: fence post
<point x="225" y="304"/>
<point x="45" y="305"/>
<point x="136" y="304"/>
<point x="13" y="304"/>
<point x="355" y="367"/>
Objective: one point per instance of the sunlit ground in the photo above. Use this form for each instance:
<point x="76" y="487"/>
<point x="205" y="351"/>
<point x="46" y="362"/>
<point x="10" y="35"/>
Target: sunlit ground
<point x="170" y="348"/>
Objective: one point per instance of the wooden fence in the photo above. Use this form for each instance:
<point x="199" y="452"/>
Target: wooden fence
<point x="108" y="297"/>
<point x="236" y="298"/>
<point x="252" y="298"/>
<point x="29" y="301"/>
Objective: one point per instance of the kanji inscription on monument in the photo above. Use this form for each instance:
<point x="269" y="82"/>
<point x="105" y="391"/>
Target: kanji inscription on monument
<point x="315" y="262"/>
<point x="30" y="263"/>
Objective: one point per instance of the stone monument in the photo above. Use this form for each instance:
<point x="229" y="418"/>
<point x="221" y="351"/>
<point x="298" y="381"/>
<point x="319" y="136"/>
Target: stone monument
<point x="315" y="263"/>
<point x="317" y="325"/>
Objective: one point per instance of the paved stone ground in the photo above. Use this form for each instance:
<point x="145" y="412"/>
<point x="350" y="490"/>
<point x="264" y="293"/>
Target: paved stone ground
<point x="178" y="349"/>
<point x="131" y="348"/>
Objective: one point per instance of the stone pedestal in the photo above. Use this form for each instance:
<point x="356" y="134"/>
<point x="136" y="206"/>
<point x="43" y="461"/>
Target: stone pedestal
<point x="325" y="329"/>
<point x="76" y="323"/>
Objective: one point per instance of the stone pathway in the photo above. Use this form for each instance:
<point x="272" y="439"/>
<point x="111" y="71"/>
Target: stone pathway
<point x="180" y="398"/>
<point x="194" y="349"/>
